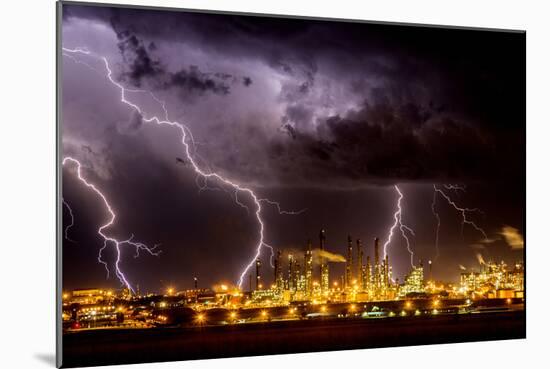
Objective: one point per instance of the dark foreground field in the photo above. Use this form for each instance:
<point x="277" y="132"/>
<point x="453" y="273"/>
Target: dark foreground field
<point x="104" y="347"/>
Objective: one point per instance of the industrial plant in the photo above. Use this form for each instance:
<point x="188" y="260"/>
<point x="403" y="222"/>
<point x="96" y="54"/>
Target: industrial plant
<point x="301" y="288"/>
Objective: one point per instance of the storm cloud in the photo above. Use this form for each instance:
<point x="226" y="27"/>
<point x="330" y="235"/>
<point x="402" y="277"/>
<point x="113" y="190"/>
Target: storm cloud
<point x="354" y="104"/>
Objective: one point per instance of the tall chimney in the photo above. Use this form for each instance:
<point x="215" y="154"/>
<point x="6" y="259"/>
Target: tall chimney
<point x="308" y="266"/>
<point x="258" y="265"/>
<point x="349" y="263"/>
<point x="359" y="266"/>
<point x="376" y="255"/>
<point x="324" y="266"/>
<point x="290" y="271"/>
<point x="387" y="271"/>
<point x="322" y="239"/>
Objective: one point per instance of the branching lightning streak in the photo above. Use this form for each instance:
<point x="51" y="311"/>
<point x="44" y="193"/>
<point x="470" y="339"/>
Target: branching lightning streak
<point x="398" y="223"/>
<point x="280" y="210"/>
<point x="272" y="254"/>
<point x="108" y="239"/>
<point x="185" y="133"/>
<point x="454" y="187"/>
<point x="438" y="219"/>
<point x="72" y="220"/>
<point x="463" y="211"/>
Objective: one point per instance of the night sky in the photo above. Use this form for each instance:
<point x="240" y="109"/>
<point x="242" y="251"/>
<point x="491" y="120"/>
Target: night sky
<point x="317" y="115"/>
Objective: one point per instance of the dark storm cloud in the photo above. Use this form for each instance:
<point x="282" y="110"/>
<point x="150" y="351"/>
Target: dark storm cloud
<point x="382" y="143"/>
<point x="141" y="65"/>
<point x="412" y="100"/>
<point x="193" y="80"/>
<point x="390" y="141"/>
<point x="296" y="116"/>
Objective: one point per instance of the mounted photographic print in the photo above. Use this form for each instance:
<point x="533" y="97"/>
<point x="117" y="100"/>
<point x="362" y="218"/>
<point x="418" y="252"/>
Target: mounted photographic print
<point x="243" y="184"/>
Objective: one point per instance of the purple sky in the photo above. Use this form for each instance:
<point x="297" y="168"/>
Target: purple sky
<point x="319" y="115"/>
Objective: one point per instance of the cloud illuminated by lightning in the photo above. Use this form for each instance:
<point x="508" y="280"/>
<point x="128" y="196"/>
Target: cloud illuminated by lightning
<point x="109" y="240"/>
<point x="186" y="139"/>
<point x="398" y="223"/>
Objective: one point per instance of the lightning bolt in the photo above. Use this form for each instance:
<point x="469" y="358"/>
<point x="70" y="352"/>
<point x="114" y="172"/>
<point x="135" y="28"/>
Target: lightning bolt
<point x="108" y="239"/>
<point x="280" y="210"/>
<point x="72" y="220"/>
<point x="463" y="211"/>
<point x="398" y="223"/>
<point x="454" y="187"/>
<point x="438" y="226"/>
<point x="205" y="175"/>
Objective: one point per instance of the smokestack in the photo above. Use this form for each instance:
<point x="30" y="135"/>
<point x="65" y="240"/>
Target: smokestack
<point x="349" y="263"/>
<point x="368" y="273"/>
<point x="387" y="271"/>
<point x="308" y="266"/>
<point x="296" y="275"/>
<point x="430" y="269"/>
<point x="359" y="266"/>
<point x="278" y="270"/>
<point x="258" y="265"/>
<point x="290" y="274"/>
<point x="324" y="266"/>
<point x="376" y="255"/>
<point x="322" y="238"/>
<point x="196" y="282"/>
